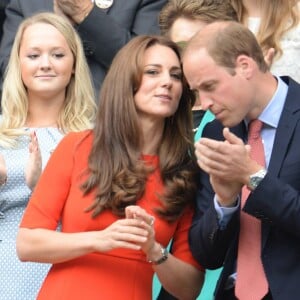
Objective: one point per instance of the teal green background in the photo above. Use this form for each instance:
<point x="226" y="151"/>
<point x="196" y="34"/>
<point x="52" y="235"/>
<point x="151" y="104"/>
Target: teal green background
<point x="211" y="277"/>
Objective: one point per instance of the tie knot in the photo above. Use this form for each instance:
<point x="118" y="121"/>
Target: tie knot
<point x="255" y="127"/>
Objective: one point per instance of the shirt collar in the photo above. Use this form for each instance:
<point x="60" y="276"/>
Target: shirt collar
<point x="272" y="112"/>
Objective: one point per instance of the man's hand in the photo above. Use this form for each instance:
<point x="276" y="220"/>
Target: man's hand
<point x="228" y="163"/>
<point x="76" y="10"/>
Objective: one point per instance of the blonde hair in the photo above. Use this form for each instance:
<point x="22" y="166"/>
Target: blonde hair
<point x="278" y="17"/>
<point x="79" y="108"/>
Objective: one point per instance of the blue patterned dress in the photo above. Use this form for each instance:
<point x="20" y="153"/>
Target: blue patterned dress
<point x="20" y="280"/>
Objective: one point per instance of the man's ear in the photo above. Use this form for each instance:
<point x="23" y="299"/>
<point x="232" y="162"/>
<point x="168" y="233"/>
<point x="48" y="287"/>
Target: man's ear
<point x="244" y="65"/>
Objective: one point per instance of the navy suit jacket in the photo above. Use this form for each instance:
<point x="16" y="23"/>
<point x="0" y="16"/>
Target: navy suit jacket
<point x="276" y="202"/>
<point x="103" y="32"/>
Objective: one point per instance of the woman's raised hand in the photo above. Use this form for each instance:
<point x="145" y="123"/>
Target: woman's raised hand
<point x="34" y="166"/>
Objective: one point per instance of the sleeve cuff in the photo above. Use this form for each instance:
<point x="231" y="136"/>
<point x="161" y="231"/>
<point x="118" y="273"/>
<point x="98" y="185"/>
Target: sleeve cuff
<point x="224" y="213"/>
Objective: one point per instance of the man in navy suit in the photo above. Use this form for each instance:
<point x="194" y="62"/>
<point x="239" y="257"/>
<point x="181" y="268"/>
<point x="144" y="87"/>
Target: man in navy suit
<point x="103" y="25"/>
<point x="225" y="65"/>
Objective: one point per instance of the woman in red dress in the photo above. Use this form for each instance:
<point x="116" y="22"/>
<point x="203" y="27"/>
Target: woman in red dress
<point x="122" y="191"/>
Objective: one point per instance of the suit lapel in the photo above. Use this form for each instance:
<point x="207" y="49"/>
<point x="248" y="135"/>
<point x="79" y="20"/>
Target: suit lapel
<point x="286" y="126"/>
<point x="289" y="117"/>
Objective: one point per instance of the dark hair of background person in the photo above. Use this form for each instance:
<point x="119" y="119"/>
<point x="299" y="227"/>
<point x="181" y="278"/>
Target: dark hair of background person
<point x="207" y="11"/>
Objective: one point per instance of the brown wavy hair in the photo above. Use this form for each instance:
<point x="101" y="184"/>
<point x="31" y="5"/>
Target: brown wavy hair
<point x="116" y="169"/>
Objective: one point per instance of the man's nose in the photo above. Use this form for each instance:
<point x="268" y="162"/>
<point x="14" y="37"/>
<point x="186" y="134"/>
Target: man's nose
<point x="205" y="101"/>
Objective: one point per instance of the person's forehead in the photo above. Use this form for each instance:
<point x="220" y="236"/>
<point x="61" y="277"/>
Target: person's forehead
<point x="161" y="54"/>
<point x="194" y="52"/>
<point x="199" y="67"/>
<point x="183" y="28"/>
<point x="43" y="34"/>
<point x="197" y="58"/>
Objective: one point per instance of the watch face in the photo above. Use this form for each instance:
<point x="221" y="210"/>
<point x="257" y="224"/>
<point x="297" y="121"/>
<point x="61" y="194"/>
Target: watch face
<point x="254" y="181"/>
<point x="104" y="4"/>
<point x="256" y="178"/>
